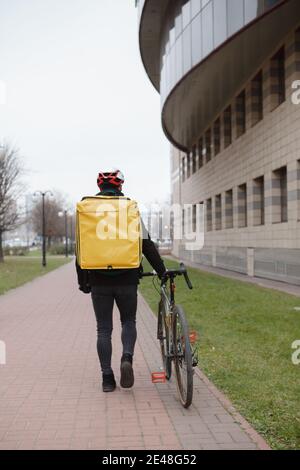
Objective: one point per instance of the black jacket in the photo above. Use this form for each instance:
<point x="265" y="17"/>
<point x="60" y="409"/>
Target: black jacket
<point x="88" y="278"/>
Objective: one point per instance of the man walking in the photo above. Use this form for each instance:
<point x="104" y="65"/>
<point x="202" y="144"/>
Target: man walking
<point x="120" y="286"/>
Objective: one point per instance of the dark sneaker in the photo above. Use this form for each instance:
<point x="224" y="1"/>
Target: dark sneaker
<point x="127" y="376"/>
<point x="109" y="383"/>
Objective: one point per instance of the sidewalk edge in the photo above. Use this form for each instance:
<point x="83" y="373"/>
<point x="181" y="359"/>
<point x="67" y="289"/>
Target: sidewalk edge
<point x="245" y="425"/>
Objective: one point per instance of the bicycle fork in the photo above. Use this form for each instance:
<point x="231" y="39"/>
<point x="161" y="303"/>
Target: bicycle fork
<point x="194" y="348"/>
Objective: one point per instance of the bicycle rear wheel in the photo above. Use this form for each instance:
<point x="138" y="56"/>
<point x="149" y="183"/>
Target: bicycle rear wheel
<point x="182" y="357"/>
<point x="163" y="337"/>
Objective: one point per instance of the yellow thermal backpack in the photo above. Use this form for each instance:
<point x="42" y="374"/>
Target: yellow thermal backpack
<point x="108" y="233"/>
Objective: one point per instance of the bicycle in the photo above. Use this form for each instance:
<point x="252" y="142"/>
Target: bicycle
<point x="173" y="335"/>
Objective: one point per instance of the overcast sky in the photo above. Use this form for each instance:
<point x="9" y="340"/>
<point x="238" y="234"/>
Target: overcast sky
<point x="78" y="97"/>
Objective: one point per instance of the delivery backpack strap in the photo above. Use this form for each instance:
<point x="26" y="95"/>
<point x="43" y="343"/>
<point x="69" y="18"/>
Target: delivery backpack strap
<point x="106" y="197"/>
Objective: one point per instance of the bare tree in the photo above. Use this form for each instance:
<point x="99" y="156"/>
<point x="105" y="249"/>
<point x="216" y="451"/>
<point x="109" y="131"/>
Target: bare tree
<point x="55" y="226"/>
<point x="11" y="170"/>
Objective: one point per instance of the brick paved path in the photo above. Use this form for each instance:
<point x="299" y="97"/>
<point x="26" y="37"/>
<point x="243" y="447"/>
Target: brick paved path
<point x="50" y="388"/>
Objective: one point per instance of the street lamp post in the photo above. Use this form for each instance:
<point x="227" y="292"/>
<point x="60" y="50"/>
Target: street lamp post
<point x="66" y="230"/>
<point x="43" y="194"/>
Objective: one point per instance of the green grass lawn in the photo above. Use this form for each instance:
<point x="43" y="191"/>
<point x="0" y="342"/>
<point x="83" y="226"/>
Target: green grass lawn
<point x="245" y="336"/>
<point x="15" y="271"/>
<point x="36" y="253"/>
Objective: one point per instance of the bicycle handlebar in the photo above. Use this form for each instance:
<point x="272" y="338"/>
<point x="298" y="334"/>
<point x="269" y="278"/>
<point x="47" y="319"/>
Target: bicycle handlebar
<point x="186" y="277"/>
<point x="149" y="274"/>
<point x="173" y="272"/>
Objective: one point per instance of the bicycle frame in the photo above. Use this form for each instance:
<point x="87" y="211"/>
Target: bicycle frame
<point x="169" y="302"/>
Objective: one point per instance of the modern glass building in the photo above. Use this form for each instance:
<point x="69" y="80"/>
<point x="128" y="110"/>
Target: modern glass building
<point x="227" y="72"/>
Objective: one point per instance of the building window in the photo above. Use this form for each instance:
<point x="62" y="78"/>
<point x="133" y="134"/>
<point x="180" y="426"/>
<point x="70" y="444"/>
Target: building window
<point x="183" y="168"/>
<point x="194" y="218"/>
<point x="207" y="28"/>
<point x="259" y="201"/>
<point x="189" y="219"/>
<point x="178" y="21"/>
<point x="217" y="136"/>
<point x="251" y="10"/>
<point x="208" y="145"/>
<point x="196" y="7"/>
<point x="240" y="112"/>
<point x="220" y="22"/>
<point x="218" y="212"/>
<point x="208" y="215"/>
<point x="257" y="99"/>
<point x="186" y="14"/>
<point x="279" y="195"/>
<point x="227" y="127"/>
<point x="200" y="153"/>
<point x="242" y="206"/>
<point x="235" y="15"/>
<point x="277" y="77"/>
<point x="178" y="60"/>
<point x="229" y="209"/>
<point x="200" y="217"/>
<point x="196" y="40"/>
<point x="194" y="162"/>
<point x="172" y="225"/>
<point x="189" y="158"/>
<point x="187" y="49"/>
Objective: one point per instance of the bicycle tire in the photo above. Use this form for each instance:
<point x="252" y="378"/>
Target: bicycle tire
<point x="182" y="357"/>
<point x="163" y="337"/>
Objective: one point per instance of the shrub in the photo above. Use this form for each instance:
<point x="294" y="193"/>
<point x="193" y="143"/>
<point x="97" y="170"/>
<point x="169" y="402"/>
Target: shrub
<point x="15" y="251"/>
<point x="60" y="250"/>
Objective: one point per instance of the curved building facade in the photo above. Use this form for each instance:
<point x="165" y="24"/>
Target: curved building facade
<point x="227" y="72"/>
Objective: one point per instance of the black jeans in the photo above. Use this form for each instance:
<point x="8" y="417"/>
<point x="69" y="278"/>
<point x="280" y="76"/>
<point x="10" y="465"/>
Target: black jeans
<point x="103" y="301"/>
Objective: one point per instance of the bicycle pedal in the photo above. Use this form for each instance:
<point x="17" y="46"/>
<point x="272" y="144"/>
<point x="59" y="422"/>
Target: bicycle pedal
<point x="158" y="377"/>
<point x="193" y="337"/>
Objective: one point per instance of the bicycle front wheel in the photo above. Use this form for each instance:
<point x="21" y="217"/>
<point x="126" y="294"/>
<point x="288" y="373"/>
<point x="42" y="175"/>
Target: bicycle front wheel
<point x="182" y="357"/>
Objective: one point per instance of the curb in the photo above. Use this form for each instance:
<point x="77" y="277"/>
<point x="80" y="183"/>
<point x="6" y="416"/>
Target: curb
<point x="245" y="425"/>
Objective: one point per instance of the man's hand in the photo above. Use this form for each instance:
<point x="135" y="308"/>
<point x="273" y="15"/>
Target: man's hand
<point x="162" y="275"/>
<point x="85" y="289"/>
